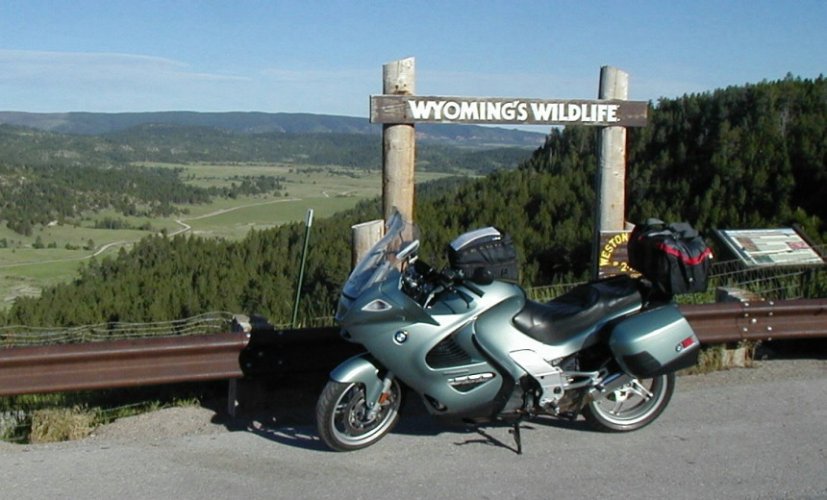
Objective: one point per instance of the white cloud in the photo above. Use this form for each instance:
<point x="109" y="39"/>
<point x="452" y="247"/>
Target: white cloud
<point x="98" y="81"/>
<point x="26" y="67"/>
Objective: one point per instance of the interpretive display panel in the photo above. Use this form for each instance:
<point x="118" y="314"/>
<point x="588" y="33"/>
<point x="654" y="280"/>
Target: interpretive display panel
<point x="770" y="247"/>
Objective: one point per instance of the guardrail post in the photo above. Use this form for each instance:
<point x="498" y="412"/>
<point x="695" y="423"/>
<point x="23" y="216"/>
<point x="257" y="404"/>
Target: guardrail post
<point x="232" y="398"/>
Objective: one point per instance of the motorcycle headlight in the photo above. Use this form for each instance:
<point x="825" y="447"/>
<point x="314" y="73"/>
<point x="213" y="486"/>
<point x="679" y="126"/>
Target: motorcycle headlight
<point x="377" y="305"/>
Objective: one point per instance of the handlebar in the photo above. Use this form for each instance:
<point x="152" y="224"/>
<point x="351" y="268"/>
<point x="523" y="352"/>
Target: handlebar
<point x="458" y="278"/>
<point x="474" y="288"/>
<point x="427" y="283"/>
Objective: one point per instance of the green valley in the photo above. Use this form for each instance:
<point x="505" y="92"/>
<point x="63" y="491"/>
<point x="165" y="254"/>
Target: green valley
<point x="53" y="252"/>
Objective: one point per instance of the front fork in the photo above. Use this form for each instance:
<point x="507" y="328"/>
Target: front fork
<point x="363" y="370"/>
<point x="376" y="401"/>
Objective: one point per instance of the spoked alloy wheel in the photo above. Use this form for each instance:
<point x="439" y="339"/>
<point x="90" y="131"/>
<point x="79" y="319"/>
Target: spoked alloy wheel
<point x="343" y="418"/>
<point x="631" y="406"/>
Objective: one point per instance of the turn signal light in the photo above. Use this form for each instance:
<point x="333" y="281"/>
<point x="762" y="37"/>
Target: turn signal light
<point x="685" y="343"/>
<point x="688" y="342"/>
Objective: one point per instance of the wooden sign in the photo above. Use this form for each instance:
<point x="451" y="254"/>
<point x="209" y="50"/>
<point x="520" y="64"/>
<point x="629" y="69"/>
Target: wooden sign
<point x="515" y="111"/>
<point x="614" y="254"/>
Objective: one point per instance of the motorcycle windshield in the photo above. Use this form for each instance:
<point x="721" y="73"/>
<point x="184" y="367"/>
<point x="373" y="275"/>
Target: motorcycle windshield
<point x="381" y="258"/>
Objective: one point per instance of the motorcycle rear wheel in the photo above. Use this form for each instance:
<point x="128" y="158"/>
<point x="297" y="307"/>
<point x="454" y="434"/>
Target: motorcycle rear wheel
<point x="632" y="406"/>
<point x="342" y="416"/>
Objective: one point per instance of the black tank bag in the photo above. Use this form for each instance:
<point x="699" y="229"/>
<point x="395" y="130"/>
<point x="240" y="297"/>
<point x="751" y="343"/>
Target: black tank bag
<point x="484" y="254"/>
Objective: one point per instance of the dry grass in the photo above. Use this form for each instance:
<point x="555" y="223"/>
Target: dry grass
<point x="60" y="424"/>
<point x="723" y="357"/>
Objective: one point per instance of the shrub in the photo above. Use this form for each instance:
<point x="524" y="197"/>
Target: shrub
<point x="61" y="424"/>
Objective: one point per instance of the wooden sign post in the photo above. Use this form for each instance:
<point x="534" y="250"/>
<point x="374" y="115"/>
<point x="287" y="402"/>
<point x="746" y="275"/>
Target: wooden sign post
<point x="610" y="184"/>
<point x="398" y="109"/>
<point x="398" y="144"/>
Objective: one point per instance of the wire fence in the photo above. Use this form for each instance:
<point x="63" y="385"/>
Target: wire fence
<point x="788" y="282"/>
<point x="202" y="324"/>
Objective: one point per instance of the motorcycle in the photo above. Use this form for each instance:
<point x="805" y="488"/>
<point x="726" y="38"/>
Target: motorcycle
<point x="475" y="349"/>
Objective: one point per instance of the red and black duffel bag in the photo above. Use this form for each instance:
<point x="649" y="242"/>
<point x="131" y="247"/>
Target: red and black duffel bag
<point x="673" y="257"/>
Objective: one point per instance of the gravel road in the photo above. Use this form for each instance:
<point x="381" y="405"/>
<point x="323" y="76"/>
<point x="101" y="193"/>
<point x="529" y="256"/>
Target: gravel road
<point x="742" y="433"/>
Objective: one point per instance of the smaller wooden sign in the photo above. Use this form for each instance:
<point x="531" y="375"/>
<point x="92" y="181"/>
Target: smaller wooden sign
<point x="614" y="254"/>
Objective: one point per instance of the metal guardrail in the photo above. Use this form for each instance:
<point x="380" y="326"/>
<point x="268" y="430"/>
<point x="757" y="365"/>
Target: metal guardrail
<point x="726" y="322"/>
<point x="268" y="351"/>
<point x="120" y="363"/>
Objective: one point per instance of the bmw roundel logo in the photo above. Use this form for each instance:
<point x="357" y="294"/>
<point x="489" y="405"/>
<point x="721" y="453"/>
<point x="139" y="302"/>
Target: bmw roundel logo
<point x="400" y="337"/>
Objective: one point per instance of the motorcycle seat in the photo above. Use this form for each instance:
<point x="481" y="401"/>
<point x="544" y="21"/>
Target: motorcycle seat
<point x="582" y="310"/>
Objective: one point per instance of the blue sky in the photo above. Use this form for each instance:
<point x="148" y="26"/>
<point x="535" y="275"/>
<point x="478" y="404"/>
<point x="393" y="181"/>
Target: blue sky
<point x="326" y="57"/>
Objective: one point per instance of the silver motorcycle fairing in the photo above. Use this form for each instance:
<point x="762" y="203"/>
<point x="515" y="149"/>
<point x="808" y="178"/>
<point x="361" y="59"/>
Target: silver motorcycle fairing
<point x="438" y="358"/>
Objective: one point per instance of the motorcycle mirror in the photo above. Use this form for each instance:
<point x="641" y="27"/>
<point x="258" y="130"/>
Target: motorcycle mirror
<point x="407" y="250"/>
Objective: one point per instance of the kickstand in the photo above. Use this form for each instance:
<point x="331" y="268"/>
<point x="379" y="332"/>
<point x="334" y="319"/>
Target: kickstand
<point x="517" y="439"/>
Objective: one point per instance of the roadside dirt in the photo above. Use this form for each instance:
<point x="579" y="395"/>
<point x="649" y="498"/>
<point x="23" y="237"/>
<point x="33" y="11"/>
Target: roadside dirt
<point x="160" y="425"/>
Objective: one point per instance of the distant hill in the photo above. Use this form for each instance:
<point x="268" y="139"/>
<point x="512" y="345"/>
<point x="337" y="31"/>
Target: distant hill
<point x="264" y="123"/>
<point x="166" y="143"/>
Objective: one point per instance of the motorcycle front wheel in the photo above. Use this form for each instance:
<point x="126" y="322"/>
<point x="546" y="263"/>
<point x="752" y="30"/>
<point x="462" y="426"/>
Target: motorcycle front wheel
<point x="343" y="418"/>
<point x="631" y="406"/>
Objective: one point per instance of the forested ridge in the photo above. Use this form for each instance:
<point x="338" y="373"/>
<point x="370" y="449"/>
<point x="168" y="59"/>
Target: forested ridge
<point x="740" y="157"/>
<point x="168" y="143"/>
<point x="747" y="156"/>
